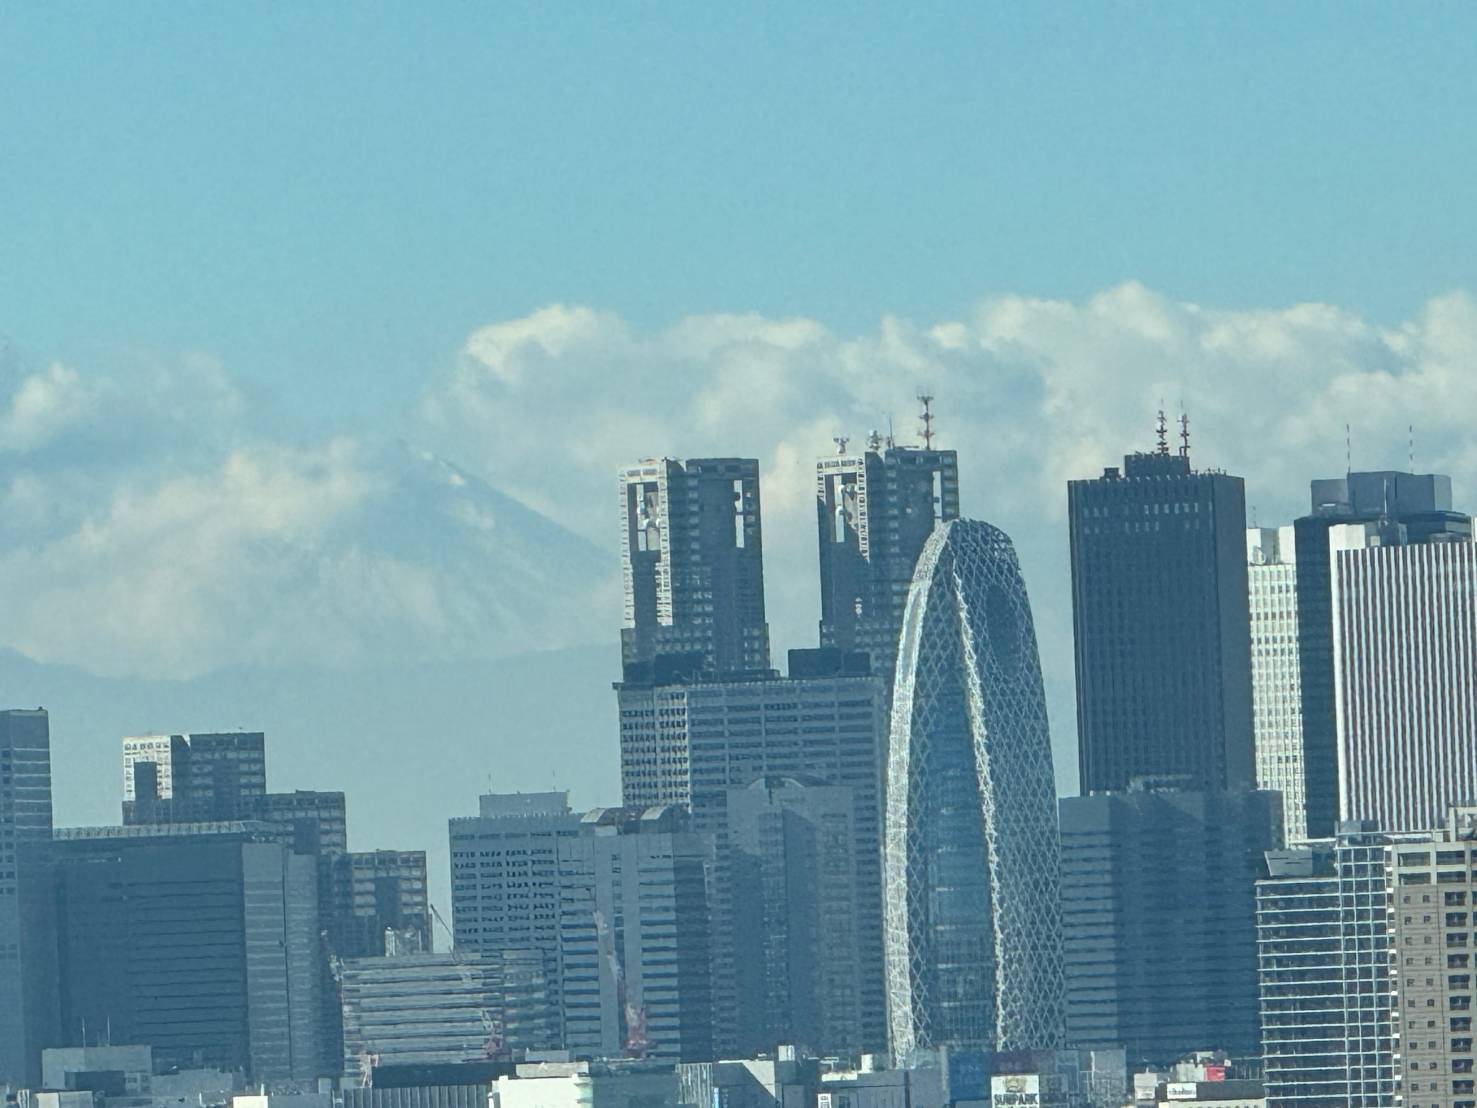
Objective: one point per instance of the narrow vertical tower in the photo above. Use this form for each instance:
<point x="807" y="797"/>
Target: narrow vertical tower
<point x="971" y="861"/>
<point x="874" y="512"/>
<point x="692" y="562"/>
<point x="1161" y="623"/>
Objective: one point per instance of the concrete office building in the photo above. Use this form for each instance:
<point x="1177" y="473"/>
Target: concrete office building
<point x="427" y="1009"/>
<point x="1160" y="620"/>
<point x="692" y="560"/>
<point x="972" y="915"/>
<point x="28" y="1013"/>
<point x="691" y="742"/>
<point x="1323" y="964"/>
<point x="1276" y="685"/>
<point x="198" y="940"/>
<point x="1432" y="897"/>
<point x="312" y="822"/>
<point x="1417" y="504"/>
<point x="790" y="934"/>
<point x="506" y="873"/>
<point x="192" y="778"/>
<point x="371" y="892"/>
<point x="1159" y="919"/>
<point x="635" y="937"/>
<point x="1405" y="655"/>
<point x="874" y="512"/>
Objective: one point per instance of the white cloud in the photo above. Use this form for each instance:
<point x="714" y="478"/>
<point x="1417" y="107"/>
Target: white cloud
<point x="149" y="525"/>
<point x="1032" y="392"/>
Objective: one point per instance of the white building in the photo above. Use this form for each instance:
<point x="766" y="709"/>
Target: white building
<point x="1405" y="656"/>
<point x="1276" y="676"/>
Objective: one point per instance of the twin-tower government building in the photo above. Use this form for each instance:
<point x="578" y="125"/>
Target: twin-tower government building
<point x="971" y="929"/>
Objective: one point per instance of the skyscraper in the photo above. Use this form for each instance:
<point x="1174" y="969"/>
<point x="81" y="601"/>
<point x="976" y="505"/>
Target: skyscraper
<point x="874" y="511"/>
<point x="1160" y="615"/>
<point x="27" y="944"/>
<point x="201" y="942"/>
<point x="634" y="937"/>
<point x="1159" y="919"/>
<point x="793" y="926"/>
<point x="1324" y="962"/>
<point x="1276" y="685"/>
<point x="692" y="561"/>
<point x="1418" y="503"/>
<point x="506" y="876"/>
<point x="192" y="778"/>
<point x="692" y="741"/>
<point x="971" y="862"/>
<point x="1405" y="675"/>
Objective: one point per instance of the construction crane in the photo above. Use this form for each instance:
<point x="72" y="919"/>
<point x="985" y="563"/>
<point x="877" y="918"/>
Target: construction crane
<point x="493" y="1044"/>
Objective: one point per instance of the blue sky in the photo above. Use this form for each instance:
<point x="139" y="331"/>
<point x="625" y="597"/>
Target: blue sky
<point x="243" y="245"/>
<point x="330" y="196"/>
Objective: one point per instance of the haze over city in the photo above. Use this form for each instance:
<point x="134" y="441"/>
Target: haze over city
<point x="325" y="333"/>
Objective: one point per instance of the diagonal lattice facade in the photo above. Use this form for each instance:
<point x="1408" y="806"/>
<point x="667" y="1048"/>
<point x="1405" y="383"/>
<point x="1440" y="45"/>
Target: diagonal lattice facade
<point x="972" y="858"/>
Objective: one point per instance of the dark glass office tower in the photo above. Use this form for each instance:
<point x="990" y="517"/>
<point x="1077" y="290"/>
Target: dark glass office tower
<point x="874" y="512"/>
<point x="1417" y="507"/>
<point x="27" y="946"/>
<point x="1160" y="615"/>
<point x="692" y="561"/>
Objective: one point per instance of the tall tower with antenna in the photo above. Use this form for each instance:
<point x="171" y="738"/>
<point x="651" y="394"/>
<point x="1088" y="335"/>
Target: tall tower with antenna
<point x="874" y="512"/>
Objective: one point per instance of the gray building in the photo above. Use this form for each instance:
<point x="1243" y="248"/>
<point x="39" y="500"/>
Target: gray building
<point x="198" y="940"/>
<point x="430" y="1009"/>
<point x="691" y="742"/>
<point x="1323" y="965"/>
<point x="692" y="561"/>
<point x="312" y="822"/>
<point x="1159" y="919"/>
<point x="634" y="937"/>
<point x="792" y="933"/>
<point x="28" y="1012"/>
<point x="1160" y="620"/>
<point x="192" y="778"/>
<point x="506" y="874"/>
<point x="874" y="512"/>
<point x="1417" y="504"/>
<point x="973" y="929"/>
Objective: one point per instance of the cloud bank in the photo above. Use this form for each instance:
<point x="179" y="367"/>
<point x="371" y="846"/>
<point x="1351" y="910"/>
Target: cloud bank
<point x="152" y="526"/>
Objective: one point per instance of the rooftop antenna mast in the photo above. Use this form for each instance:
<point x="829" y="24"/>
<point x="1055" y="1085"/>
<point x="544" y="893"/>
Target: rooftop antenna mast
<point x="927" y="430"/>
<point x="890" y="442"/>
<point x="1410" y="446"/>
<point x="1185" y="435"/>
<point x="1161" y="432"/>
<point x="1348" y="451"/>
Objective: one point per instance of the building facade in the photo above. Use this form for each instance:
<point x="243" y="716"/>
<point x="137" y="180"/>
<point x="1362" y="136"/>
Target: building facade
<point x="1405" y="652"/>
<point x="28" y="1014"/>
<point x="198" y="940"/>
<point x="1323" y="967"/>
<point x="1159" y="919"/>
<point x="1432" y="897"/>
<point x="634" y="932"/>
<point x="1419" y="504"/>
<point x="428" y="1009"/>
<point x="692" y="743"/>
<point x="692" y="562"/>
<point x="1161" y="626"/>
<point x="193" y="778"/>
<point x="973" y="925"/>
<point x="874" y="512"/>
<point x="1276" y="683"/>
<point x="791" y="936"/>
<point x="506" y="875"/>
